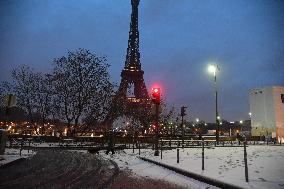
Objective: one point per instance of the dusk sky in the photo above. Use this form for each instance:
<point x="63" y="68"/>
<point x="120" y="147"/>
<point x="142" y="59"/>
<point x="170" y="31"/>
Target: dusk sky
<point x="178" y="38"/>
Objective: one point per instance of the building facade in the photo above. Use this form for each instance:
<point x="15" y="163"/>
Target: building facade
<point x="267" y="112"/>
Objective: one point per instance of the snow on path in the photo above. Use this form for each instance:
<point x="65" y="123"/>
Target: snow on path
<point x="126" y="160"/>
<point x="265" y="164"/>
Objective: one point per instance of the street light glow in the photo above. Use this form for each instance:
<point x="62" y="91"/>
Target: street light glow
<point x="212" y="69"/>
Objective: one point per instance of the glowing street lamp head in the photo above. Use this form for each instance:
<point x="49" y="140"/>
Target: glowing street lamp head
<point x="212" y="69"/>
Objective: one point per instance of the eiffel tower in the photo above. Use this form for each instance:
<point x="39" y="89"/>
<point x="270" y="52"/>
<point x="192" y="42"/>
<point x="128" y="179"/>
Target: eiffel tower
<point x="137" y="106"/>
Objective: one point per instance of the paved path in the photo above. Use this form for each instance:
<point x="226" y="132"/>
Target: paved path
<point x="59" y="169"/>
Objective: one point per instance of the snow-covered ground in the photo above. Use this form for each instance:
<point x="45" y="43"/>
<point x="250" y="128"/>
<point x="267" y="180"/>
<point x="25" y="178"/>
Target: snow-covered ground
<point x="128" y="161"/>
<point x="265" y="164"/>
<point x="12" y="154"/>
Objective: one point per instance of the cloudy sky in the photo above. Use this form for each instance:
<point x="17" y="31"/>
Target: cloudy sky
<point x="178" y="38"/>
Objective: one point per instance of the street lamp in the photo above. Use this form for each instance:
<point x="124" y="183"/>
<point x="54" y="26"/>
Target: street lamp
<point x="213" y="68"/>
<point x="182" y="126"/>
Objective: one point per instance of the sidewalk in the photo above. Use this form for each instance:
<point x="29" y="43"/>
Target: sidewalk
<point x="198" y="177"/>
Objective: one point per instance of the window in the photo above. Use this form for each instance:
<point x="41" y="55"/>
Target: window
<point x="282" y="98"/>
<point x="260" y="92"/>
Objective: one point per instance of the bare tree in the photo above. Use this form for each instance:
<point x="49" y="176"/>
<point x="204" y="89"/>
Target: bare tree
<point x="5" y="89"/>
<point x="24" y="87"/>
<point x="43" y="96"/>
<point x="82" y="85"/>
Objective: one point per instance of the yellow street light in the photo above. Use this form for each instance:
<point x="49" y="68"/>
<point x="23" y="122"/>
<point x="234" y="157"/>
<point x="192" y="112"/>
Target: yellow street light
<point x="212" y="69"/>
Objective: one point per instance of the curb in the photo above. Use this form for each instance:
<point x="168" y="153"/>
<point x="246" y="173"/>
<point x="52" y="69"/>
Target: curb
<point x="12" y="163"/>
<point x="195" y="176"/>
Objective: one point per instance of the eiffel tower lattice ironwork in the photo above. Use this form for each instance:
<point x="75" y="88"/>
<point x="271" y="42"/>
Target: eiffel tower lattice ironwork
<point x="139" y="104"/>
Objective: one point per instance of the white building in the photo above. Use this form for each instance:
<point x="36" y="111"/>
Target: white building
<point x="267" y="112"/>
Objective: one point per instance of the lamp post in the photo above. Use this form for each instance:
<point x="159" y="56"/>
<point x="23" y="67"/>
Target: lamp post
<point x="182" y="125"/>
<point x="213" y="68"/>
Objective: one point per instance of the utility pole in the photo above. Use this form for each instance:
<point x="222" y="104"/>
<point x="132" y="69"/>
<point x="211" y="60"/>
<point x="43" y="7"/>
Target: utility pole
<point x="217" y="114"/>
<point x="182" y="110"/>
<point x="213" y="68"/>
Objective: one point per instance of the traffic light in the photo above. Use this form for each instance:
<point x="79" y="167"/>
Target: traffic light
<point x="182" y="110"/>
<point x="156" y="93"/>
